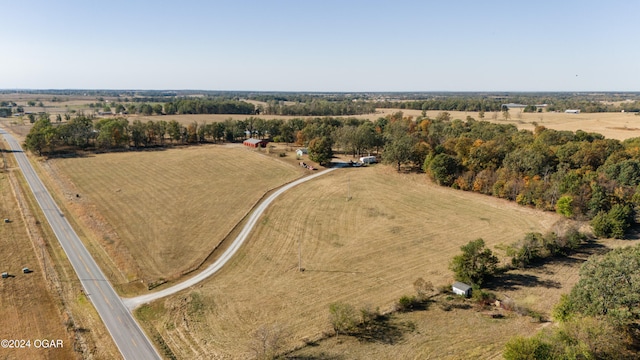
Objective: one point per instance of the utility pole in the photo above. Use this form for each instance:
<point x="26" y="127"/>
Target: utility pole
<point x="299" y="255"/>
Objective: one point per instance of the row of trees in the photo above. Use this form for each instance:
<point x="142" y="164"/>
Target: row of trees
<point x="317" y="107"/>
<point x="580" y="175"/>
<point x="555" y="102"/>
<point x="231" y="106"/>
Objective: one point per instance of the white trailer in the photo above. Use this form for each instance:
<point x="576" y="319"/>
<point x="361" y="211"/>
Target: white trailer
<point x="368" y="159"/>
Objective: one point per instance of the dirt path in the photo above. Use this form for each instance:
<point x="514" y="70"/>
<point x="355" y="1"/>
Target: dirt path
<point x="134" y="302"/>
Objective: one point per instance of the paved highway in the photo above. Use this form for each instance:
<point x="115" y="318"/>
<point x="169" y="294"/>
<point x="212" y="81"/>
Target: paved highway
<point x="125" y="331"/>
<point x="132" y="303"/>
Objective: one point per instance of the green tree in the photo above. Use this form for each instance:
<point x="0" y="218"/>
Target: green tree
<point x="145" y="109"/>
<point x="138" y="133"/>
<point x="399" y="150"/>
<point x="120" y="109"/>
<point x="476" y="263"/>
<point x="613" y="223"/>
<point x="157" y="109"/>
<point x="609" y="286"/>
<point x="527" y="249"/>
<point x="320" y="150"/>
<point x="112" y="133"/>
<point x="581" y="338"/>
<point x="343" y="317"/>
<point x="564" y="206"/>
<point x="174" y="130"/>
<point x="36" y="140"/>
<point x="170" y="108"/>
<point x="442" y="169"/>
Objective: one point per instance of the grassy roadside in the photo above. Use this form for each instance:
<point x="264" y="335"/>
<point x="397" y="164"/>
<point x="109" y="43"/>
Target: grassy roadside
<point x="90" y="337"/>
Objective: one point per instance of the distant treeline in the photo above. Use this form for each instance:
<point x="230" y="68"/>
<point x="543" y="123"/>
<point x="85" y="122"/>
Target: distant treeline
<point x="198" y="106"/>
<point x="317" y="107"/>
<point x="558" y="103"/>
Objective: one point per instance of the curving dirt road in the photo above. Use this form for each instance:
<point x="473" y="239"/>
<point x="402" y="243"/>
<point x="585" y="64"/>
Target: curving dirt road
<point x="134" y="302"/>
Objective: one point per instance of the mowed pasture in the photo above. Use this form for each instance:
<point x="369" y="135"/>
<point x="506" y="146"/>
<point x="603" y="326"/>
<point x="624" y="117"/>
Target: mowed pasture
<point x="28" y="308"/>
<point x="364" y="251"/>
<point x="159" y="214"/>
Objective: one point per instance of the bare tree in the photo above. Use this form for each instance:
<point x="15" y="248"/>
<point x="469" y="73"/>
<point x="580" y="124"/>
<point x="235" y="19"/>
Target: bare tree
<point x="268" y="341"/>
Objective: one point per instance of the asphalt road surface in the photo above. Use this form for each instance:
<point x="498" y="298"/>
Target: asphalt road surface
<point x="125" y="331"/>
<point x="132" y="303"/>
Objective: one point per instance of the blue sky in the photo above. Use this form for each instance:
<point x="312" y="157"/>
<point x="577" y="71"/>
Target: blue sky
<point x="321" y="45"/>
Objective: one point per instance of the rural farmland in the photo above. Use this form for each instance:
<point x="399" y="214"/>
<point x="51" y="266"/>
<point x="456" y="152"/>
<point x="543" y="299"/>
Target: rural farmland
<point x="366" y="251"/>
<point x="156" y="202"/>
<point x="160" y="213"/>
<point x="29" y="305"/>
<point x="320" y="180"/>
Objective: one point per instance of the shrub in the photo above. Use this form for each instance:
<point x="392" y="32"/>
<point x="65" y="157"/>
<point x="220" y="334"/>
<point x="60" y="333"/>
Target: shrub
<point x="519" y="348"/>
<point x="483" y="297"/>
<point x="342" y="317"/>
<point x="564" y="206"/>
<point x="406" y="303"/>
<point x="613" y="223"/>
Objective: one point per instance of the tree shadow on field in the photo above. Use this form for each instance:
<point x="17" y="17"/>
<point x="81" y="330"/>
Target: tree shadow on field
<point x="381" y="330"/>
<point x="633" y="233"/>
<point x="333" y="271"/>
<point x="321" y="356"/>
<point x="511" y="281"/>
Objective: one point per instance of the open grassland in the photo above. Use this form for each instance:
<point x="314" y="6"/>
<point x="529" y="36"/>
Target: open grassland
<point x="365" y="251"/>
<point x="159" y="214"/>
<point x="28" y="308"/>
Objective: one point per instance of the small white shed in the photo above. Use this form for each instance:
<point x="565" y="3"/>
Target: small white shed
<point x="301" y="151"/>
<point x="461" y="288"/>
<point x="368" y="159"/>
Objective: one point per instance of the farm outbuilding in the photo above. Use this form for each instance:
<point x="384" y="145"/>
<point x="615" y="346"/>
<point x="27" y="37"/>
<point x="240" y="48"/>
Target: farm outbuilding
<point x="254" y="143"/>
<point x="572" y="111"/>
<point x="460" y="288"/>
<point x="301" y="152"/>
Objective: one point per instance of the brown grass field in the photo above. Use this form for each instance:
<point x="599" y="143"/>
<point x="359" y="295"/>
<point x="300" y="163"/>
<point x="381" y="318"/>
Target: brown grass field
<point x="160" y="213"/>
<point x="366" y="251"/>
<point x="28" y="308"/>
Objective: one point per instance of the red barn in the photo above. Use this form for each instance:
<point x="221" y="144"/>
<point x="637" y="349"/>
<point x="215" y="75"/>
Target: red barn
<point x="254" y="143"/>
